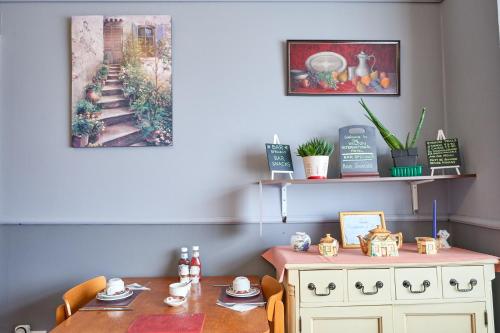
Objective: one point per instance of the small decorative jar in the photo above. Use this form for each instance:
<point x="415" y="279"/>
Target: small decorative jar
<point x="300" y="241"/>
<point x="328" y="246"/>
<point x="426" y="245"/>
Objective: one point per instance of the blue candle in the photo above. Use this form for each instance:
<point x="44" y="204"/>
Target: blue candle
<point x="434" y="218"/>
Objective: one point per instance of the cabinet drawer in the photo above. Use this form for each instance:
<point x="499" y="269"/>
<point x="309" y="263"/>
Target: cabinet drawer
<point x="367" y="285"/>
<point x="463" y="281"/>
<point x="322" y="286"/>
<point x="417" y="283"/>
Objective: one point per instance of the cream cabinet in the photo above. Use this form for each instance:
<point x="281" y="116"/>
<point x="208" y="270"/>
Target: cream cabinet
<point x="391" y="298"/>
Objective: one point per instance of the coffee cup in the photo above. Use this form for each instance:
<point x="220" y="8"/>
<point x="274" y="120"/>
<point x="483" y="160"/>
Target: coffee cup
<point x="241" y="284"/>
<point x="115" y="286"/>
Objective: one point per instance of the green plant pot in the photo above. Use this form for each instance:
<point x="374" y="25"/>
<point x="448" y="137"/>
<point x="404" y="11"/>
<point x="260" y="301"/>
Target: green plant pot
<point x="404" y="157"/>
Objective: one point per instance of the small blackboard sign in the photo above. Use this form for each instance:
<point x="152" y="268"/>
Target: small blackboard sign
<point x="279" y="158"/>
<point x="443" y="153"/>
<point x="358" y="151"/>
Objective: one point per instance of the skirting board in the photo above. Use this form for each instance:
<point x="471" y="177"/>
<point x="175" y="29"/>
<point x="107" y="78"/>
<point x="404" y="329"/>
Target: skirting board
<point x="475" y="221"/>
<point x="224" y="220"/>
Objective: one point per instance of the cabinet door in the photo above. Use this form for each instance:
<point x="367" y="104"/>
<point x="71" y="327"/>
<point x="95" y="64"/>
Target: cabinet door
<point x="355" y="319"/>
<point x="441" y="318"/>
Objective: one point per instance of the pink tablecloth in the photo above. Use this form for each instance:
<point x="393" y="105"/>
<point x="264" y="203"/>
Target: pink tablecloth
<point x="281" y="256"/>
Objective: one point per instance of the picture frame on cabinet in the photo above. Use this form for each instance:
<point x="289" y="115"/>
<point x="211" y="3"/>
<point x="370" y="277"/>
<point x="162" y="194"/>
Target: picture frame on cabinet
<point x="354" y="224"/>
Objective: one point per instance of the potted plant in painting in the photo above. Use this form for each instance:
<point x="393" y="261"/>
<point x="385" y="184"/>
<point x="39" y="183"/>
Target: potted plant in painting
<point x="86" y="108"/>
<point x="403" y="155"/>
<point x="93" y="92"/>
<point x="96" y="128"/>
<point x="81" y="127"/>
<point x="315" y="154"/>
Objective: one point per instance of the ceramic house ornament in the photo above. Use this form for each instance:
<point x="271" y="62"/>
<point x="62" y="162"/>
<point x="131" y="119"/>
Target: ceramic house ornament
<point x="328" y="246"/>
<point x="379" y="242"/>
<point x="426" y="245"/>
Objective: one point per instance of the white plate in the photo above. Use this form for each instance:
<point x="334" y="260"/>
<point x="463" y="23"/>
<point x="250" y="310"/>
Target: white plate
<point x="102" y="296"/>
<point x="326" y="62"/>
<point x="252" y="292"/>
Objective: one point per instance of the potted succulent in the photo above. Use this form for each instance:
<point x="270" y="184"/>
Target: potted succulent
<point x="403" y="155"/>
<point x="315" y="154"/>
<point x="81" y="128"/>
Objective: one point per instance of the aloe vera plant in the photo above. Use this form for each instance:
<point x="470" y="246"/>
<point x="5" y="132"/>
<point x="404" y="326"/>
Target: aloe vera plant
<point x="392" y="141"/>
<point x="315" y="147"/>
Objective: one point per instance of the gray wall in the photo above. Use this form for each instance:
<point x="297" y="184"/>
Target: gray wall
<point x="3" y="277"/>
<point x="229" y="84"/>
<point x="470" y="35"/>
<point x="228" y="100"/>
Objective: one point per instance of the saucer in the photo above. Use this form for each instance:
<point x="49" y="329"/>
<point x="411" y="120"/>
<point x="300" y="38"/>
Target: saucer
<point x="102" y="296"/>
<point x="175" y="300"/>
<point x="250" y="293"/>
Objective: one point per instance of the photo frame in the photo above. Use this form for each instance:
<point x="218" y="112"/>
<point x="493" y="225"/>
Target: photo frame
<point x="353" y="224"/>
<point x="343" y="67"/>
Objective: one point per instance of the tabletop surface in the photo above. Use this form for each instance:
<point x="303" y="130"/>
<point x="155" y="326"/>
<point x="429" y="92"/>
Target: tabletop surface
<point x="201" y="300"/>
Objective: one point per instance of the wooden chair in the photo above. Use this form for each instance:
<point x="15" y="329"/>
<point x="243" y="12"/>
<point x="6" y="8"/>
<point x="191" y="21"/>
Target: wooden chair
<point x="273" y="293"/>
<point x="60" y="314"/>
<point x="81" y="294"/>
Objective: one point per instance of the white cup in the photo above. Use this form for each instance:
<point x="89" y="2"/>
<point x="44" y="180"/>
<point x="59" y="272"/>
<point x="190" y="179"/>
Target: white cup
<point x="179" y="289"/>
<point x="241" y="284"/>
<point x="115" y="286"/>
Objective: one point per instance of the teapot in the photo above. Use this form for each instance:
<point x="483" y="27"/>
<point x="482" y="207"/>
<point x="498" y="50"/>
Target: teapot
<point x="379" y="242"/>
<point x="362" y="69"/>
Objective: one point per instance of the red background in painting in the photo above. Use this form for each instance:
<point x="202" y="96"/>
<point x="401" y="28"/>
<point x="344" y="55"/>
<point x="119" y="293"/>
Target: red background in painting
<point x="386" y="54"/>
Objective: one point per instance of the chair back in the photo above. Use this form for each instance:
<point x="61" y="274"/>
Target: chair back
<point x="273" y="293"/>
<point x="81" y="294"/>
<point x="60" y="314"/>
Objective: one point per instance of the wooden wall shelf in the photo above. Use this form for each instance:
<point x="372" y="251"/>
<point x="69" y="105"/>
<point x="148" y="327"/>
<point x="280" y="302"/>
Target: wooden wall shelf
<point x="412" y="181"/>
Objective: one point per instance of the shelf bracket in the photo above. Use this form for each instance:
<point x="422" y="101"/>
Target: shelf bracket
<point x="414" y="192"/>
<point x="284" y="206"/>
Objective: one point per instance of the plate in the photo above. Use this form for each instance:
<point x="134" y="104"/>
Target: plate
<point x="326" y="62"/>
<point x="252" y="292"/>
<point x="175" y="300"/>
<point x="102" y="296"/>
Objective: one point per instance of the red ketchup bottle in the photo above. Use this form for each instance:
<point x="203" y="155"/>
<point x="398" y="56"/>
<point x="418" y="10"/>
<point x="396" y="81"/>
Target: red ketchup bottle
<point x="183" y="266"/>
<point x="195" y="265"/>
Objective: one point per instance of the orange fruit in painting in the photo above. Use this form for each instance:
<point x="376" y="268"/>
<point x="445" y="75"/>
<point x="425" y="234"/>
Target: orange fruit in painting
<point x="335" y="75"/>
<point x="383" y="75"/>
<point x="385" y="82"/>
<point x="366" y="80"/>
<point x="360" y="87"/>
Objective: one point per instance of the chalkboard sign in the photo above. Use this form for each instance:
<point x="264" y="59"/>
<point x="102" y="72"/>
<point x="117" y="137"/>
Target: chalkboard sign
<point x="279" y="158"/>
<point x="358" y="151"/>
<point x="443" y="153"/>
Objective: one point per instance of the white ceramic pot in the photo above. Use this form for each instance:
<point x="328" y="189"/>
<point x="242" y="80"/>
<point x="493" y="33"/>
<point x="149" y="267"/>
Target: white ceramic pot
<point x="316" y="167"/>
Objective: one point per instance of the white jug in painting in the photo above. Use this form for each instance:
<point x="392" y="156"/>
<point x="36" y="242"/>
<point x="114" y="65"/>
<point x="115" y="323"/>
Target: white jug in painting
<point x="362" y="69"/>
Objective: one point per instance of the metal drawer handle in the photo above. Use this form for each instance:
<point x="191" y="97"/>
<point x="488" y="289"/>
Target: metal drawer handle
<point x="331" y="286"/>
<point x="472" y="283"/>
<point x="378" y="285"/>
<point x="426" y="284"/>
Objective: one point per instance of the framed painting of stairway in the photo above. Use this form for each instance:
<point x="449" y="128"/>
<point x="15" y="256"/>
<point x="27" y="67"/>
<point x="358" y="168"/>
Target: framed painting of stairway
<point x="121" y="81"/>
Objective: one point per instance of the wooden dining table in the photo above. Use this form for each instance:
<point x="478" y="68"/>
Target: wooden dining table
<point x="202" y="299"/>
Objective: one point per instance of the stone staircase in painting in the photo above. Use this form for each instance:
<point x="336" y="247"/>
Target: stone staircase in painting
<point x="120" y="128"/>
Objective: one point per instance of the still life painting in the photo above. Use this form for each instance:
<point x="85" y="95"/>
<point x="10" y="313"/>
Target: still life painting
<point x="329" y="67"/>
<point x="121" y="81"/>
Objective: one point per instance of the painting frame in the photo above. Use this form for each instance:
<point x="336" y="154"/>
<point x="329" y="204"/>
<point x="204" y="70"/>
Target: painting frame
<point x="347" y="242"/>
<point x="121" y="81"/>
<point x="393" y="89"/>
